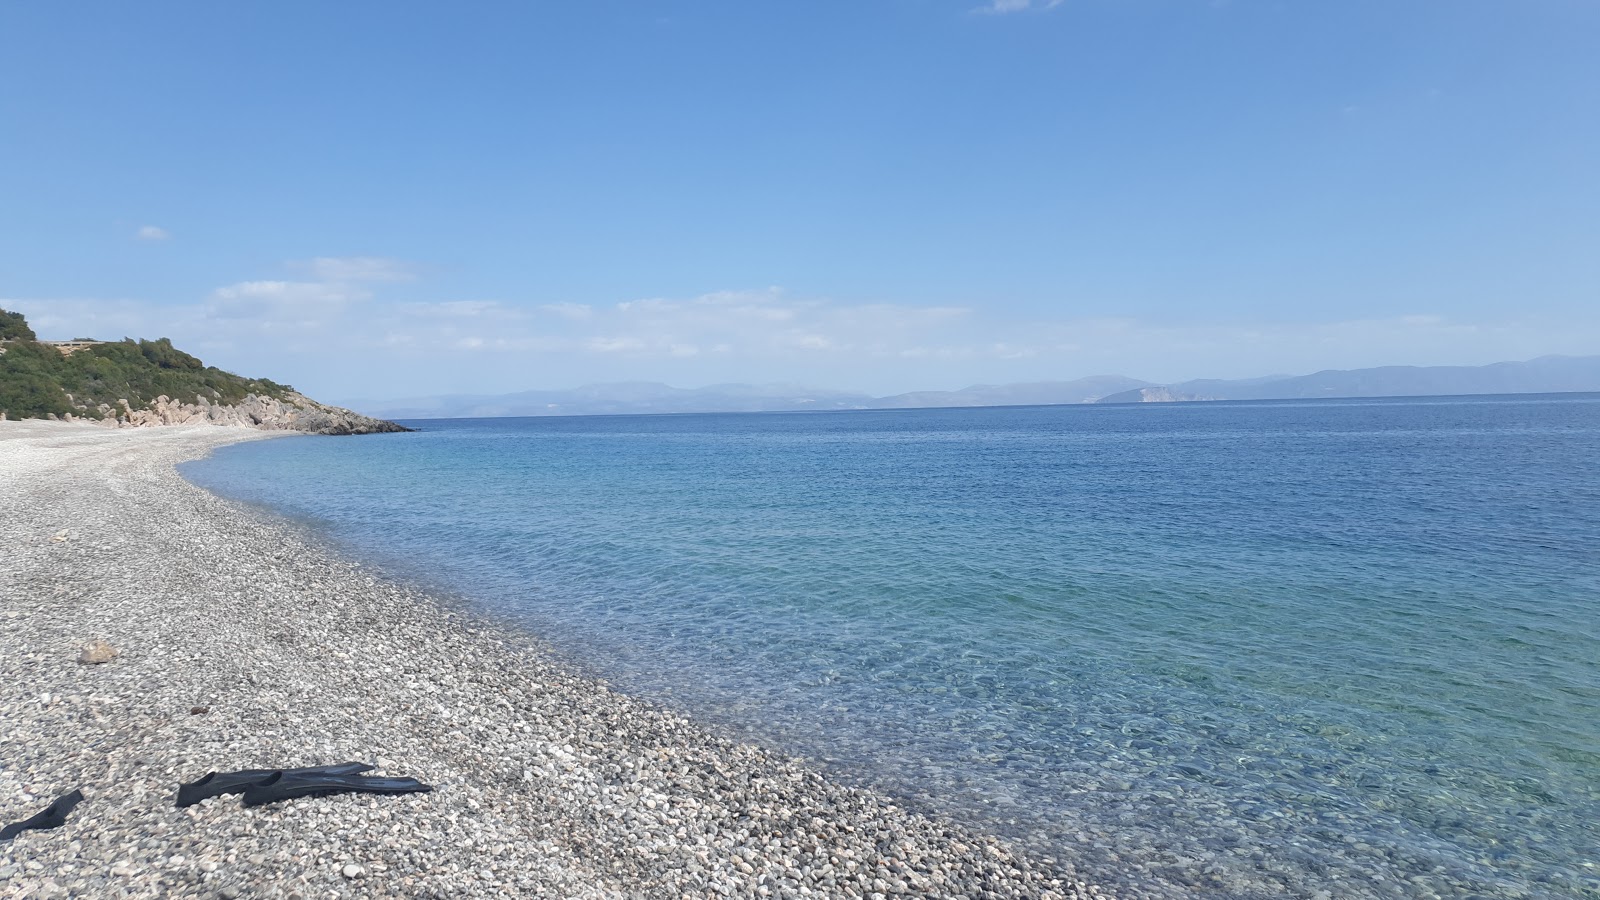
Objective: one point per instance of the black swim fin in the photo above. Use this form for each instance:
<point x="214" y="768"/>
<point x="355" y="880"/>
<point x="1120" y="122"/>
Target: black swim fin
<point x="54" y="816"/>
<point x="288" y="786"/>
<point x="216" y="784"/>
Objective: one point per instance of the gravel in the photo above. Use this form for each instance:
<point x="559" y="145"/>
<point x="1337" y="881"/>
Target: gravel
<point x="241" y="643"/>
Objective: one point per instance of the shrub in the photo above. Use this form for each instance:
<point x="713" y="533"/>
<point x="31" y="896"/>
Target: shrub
<point x="13" y="327"/>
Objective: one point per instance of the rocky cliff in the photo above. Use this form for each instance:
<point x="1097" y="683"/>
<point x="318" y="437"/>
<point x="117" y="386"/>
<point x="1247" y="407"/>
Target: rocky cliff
<point x="294" y="412"/>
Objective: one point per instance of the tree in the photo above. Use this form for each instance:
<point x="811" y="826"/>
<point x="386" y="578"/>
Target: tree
<point x="13" y="327"/>
<point x="162" y="353"/>
<point x="30" y="383"/>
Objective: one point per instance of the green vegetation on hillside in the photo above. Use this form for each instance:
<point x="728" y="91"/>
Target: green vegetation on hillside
<point x="13" y="327"/>
<point x="37" y="380"/>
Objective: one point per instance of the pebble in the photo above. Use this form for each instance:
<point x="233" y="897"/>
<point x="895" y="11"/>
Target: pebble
<point x="97" y="653"/>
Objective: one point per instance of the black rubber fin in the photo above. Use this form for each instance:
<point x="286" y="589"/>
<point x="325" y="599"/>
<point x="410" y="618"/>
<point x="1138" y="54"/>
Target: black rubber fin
<point x="216" y="784"/>
<point x="53" y="816"/>
<point x="288" y="786"/>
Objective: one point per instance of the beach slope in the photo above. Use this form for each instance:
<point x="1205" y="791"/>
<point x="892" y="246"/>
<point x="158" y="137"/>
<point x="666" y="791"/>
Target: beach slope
<point x="242" y="643"/>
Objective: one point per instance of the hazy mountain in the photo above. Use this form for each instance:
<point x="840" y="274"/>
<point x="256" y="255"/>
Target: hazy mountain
<point x="1035" y="393"/>
<point x="653" y="397"/>
<point x="1547" y="374"/>
<point x="622" y="397"/>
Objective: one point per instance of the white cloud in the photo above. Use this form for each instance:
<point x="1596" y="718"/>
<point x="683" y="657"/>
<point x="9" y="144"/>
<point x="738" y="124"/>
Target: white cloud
<point x="300" y="301"/>
<point x="1001" y="7"/>
<point x="763" y="324"/>
<point x="462" y="309"/>
<point x="361" y="344"/>
<point x="813" y="342"/>
<point x="936" y="353"/>
<point x="277" y="291"/>
<point x="1003" y="350"/>
<point x="57" y="318"/>
<point x="576" y="311"/>
<point x="615" y="344"/>
<point x="358" y="269"/>
<point x="306" y="307"/>
<point x="152" y="233"/>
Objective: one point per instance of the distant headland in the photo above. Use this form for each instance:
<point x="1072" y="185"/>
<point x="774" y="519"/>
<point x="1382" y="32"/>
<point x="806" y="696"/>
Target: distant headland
<point x="130" y="383"/>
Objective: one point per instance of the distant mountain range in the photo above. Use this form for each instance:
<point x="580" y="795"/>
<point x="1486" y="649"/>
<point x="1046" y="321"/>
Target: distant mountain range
<point x="652" y="397"/>
<point x="1549" y="374"/>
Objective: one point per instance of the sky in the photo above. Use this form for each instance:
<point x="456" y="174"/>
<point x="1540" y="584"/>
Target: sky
<point x="381" y="200"/>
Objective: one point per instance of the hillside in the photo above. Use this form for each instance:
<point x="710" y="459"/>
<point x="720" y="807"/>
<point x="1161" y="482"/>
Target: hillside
<point x="635" y="398"/>
<point x="131" y="382"/>
<point x="1037" y="393"/>
<point x="1547" y="374"/>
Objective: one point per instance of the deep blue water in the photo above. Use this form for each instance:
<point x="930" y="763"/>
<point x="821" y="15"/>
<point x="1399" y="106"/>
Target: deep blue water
<point x="1251" y="649"/>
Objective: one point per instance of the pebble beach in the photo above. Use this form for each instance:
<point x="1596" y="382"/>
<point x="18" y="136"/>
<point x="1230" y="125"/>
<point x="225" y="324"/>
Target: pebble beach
<point x="237" y="640"/>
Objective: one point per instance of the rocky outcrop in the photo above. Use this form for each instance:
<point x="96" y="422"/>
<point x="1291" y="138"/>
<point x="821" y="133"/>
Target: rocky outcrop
<point x="296" y="412"/>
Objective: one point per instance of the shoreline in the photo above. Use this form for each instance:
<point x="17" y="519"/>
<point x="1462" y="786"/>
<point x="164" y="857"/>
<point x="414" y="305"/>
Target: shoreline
<point x="546" y="781"/>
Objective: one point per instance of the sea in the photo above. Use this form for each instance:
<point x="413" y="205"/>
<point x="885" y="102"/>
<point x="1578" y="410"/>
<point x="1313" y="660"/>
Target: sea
<point x="1312" y="649"/>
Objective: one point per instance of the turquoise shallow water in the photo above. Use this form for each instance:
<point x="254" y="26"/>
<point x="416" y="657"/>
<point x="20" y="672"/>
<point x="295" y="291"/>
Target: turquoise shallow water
<point x="1239" y="650"/>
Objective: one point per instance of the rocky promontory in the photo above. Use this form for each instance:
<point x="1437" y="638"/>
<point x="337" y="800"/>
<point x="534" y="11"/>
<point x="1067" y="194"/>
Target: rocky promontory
<point x="131" y="383"/>
<point x="293" y="412"/>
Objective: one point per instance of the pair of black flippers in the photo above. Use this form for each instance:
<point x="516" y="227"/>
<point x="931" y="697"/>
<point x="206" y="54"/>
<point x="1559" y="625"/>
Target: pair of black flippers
<point x="262" y="786"/>
<point x="259" y="786"/>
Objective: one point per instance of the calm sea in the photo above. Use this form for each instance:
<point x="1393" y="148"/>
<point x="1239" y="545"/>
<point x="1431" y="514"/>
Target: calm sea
<point x="1331" y="648"/>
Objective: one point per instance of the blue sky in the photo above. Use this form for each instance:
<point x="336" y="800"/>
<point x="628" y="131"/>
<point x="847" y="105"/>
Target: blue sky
<point x="389" y="199"/>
